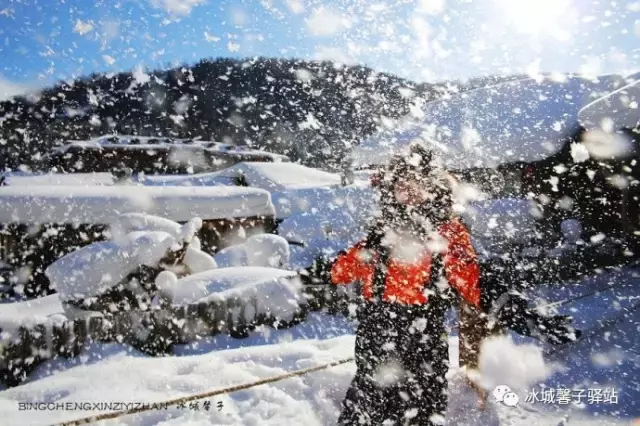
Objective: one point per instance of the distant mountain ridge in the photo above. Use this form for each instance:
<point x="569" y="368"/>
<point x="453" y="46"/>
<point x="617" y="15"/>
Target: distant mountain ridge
<point x="311" y="111"/>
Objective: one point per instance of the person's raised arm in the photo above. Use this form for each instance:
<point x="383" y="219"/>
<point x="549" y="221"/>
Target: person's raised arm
<point x="461" y="262"/>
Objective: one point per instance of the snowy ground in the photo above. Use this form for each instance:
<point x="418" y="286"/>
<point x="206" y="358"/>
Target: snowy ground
<point x="116" y="373"/>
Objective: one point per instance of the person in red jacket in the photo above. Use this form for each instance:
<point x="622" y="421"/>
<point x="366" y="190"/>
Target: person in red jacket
<point x="414" y="262"/>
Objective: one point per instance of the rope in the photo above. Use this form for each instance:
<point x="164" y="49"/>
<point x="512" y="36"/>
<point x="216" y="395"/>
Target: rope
<point x="591" y="293"/>
<point x="582" y="296"/>
<point x="603" y="325"/>
<point x="189" y="398"/>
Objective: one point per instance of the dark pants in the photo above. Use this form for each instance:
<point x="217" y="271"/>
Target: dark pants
<point x="401" y="358"/>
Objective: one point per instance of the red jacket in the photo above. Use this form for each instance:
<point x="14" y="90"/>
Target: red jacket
<point x="405" y="281"/>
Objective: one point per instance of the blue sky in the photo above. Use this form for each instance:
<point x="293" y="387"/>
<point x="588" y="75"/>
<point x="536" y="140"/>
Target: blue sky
<point x="42" y="41"/>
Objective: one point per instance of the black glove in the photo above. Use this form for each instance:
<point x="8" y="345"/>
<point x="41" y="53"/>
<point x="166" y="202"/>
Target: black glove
<point x="512" y="312"/>
<point x="554" y="329"/>
<point x="374" y="236"/>
<point x="319" y="272"/>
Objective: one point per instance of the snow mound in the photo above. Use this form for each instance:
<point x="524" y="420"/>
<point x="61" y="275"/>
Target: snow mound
<point x="503" y="362"/>
<point x="98" y="204"/>
<point x="130" y="222"/>
<point x="273" y="288"/>
<point x="166" y="280"/>
<point x="235" y="255"/>
<point x="198" y="261"/>
<point x="279" y="176"/>
<point x="91" y="270"/>
<point x="183" y="234"/>
<point x="29" y="313"/>
<point x="267" y="250"/>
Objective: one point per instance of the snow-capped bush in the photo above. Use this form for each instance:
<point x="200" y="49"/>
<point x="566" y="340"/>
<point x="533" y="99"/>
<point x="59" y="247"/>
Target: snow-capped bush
<point x="95" y="268"/>
<point x="129" y="222"/>
<point x="198" y="261"/>
<point x="189" y="229"/>
<point x="195" y="259"/>
<point x="267" y="250"/>
<point x="271" y="286"/>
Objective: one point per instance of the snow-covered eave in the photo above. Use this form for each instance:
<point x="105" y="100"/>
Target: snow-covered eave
<point x="98" y="205"/>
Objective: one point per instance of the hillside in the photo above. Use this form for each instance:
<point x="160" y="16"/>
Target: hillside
<point x="310" y="111"/>
<point x="301" y="109"/>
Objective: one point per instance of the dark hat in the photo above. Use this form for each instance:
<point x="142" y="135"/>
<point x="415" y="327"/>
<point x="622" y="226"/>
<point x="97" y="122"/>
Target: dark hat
<point x="418" y="161"/>
<point x="416" y="164"/>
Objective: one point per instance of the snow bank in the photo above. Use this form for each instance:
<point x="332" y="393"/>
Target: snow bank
<point x="524" y="120"/>
<point x="280" y="176"/>
<point x="116" y="373"/>
<point x="91" y="270"/>
<point x="29" y="313"/>
<point x="312" y="400"/>
<point x="76" y="204"/>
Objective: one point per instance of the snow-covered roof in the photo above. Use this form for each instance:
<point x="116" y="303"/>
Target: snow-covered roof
<point x="157" y="143"/>
<point x="271" y="176"/>
<point x="142" y="145"/>
<point x="523" y="120"/>
<point x="280" y="176"/>
<point x="71" y="179"/>
<point x="99" y="204"/>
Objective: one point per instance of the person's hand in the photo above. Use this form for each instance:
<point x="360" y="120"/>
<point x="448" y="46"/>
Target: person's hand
<point x="554" y="329"/>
